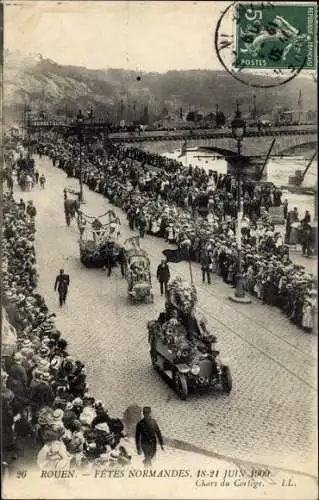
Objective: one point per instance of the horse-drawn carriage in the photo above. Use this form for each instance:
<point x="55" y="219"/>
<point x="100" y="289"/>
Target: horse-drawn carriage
<point x="138" y="273"/>
<point x="98" y="241"/>
<point x="25" y="172"/>
<point x="181" y="347"/>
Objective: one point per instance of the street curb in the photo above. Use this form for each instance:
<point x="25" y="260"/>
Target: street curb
<point x="184" y="446"/>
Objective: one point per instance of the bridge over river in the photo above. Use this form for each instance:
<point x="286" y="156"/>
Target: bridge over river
<point x="256" y="143"/>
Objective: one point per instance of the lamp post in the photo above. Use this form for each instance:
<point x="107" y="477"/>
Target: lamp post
<point x="255" y="109"/>
<point x="238" y="132"/>
<point x="26" y="120"/>
<point x="27" y="124"/>
<point x="79" y="123"/>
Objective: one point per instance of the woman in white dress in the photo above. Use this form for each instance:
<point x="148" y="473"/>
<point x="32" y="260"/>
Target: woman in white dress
<point x="170" y="233"/>
<point x="308" y="314"/>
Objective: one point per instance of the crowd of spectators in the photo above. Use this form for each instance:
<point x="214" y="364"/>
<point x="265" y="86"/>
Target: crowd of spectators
<point x="191" y="207"/>
<point x="48" y="415"/>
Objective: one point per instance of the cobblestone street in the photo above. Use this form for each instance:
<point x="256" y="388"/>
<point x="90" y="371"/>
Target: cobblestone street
<point x="270" y="415"/>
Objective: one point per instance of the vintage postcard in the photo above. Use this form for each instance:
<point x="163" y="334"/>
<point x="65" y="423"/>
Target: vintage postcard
<point x="159" y="250"/>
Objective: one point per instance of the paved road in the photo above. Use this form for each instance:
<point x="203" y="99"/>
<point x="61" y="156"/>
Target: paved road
<point x="269" y="417"/>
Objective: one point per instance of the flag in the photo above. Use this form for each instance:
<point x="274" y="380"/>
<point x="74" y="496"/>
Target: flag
<point x="177" y="255"/>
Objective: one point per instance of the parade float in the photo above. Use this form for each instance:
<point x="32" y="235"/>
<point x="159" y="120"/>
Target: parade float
<point x="181" y="347"/>
<point x="98" y="239"/>
<point x="138" y="272"/>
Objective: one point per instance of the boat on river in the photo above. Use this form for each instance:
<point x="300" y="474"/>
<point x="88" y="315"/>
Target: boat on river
<point x="311" y="191"/>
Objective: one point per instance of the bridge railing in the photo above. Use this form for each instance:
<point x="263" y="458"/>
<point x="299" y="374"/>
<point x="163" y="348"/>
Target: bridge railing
<point x="171" y="135"/>
<point x="129" y="137"/>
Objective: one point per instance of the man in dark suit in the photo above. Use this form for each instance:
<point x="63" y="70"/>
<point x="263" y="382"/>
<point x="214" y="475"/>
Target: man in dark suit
<point x="163" y="275"/>
<point x="146" y="436"/>
<point x="122" y="261"/>
<point x="62" y="282"/>
<point x="109" y="257"/>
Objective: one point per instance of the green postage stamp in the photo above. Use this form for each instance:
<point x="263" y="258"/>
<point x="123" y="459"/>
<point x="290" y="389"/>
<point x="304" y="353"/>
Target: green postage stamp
<point x="276" y="36"/>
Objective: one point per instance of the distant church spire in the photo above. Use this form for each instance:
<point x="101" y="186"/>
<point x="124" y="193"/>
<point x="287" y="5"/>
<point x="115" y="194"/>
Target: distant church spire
<point x="300" y="100"/>
<point x="300" y="106"/>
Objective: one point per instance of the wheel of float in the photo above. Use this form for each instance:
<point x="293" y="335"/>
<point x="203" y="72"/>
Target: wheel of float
<point x="86" y="261"/>
<point x="180" y="385"/>
<point x="227" y="381"/>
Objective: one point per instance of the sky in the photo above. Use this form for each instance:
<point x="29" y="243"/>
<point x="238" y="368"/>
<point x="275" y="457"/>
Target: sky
<point x="140" y="36"/>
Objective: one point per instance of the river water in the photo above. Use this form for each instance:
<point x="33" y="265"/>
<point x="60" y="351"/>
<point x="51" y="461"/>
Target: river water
<point x="278" y="171"/>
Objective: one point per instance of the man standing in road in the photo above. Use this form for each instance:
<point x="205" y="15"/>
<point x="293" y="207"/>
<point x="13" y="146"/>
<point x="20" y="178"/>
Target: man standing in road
<point x="207" y="266"/>
<point x="122" y="261"/>
<point x="62" y="282"/>
<point x="163" y="275"/>
<point x="31" y="210"/>
<point x="36" y="176"/>
<point x="109" y="257"/>
<point x="146" y="436"/>
<point x="42" y="181"/>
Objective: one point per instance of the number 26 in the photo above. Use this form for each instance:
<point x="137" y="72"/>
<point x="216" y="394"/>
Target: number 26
<point x="257" y="14"/>
<point x="21" y="474"/>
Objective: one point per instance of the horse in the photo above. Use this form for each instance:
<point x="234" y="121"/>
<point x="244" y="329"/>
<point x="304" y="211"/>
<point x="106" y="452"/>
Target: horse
<point x="22" y="180"/>
<point x="71" y="207"/>
<point x="28" y="182"/>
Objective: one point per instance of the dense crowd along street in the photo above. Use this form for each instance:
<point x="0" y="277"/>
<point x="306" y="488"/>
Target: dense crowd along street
<point x="155" y="202"/>
<point x="43" y="389"/>
<point x="271" y="351"/>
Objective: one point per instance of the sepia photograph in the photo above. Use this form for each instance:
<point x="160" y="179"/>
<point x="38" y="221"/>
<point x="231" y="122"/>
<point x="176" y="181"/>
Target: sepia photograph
<point x="159" y="280"/>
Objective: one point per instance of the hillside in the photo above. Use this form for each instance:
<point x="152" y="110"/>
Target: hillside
<point x="63" y="89"/>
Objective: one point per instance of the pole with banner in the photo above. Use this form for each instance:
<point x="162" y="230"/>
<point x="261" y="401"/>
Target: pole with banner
<point x="185" y="150"/>
<point x="190" y="264"/>
<point x="187" y="255"/>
